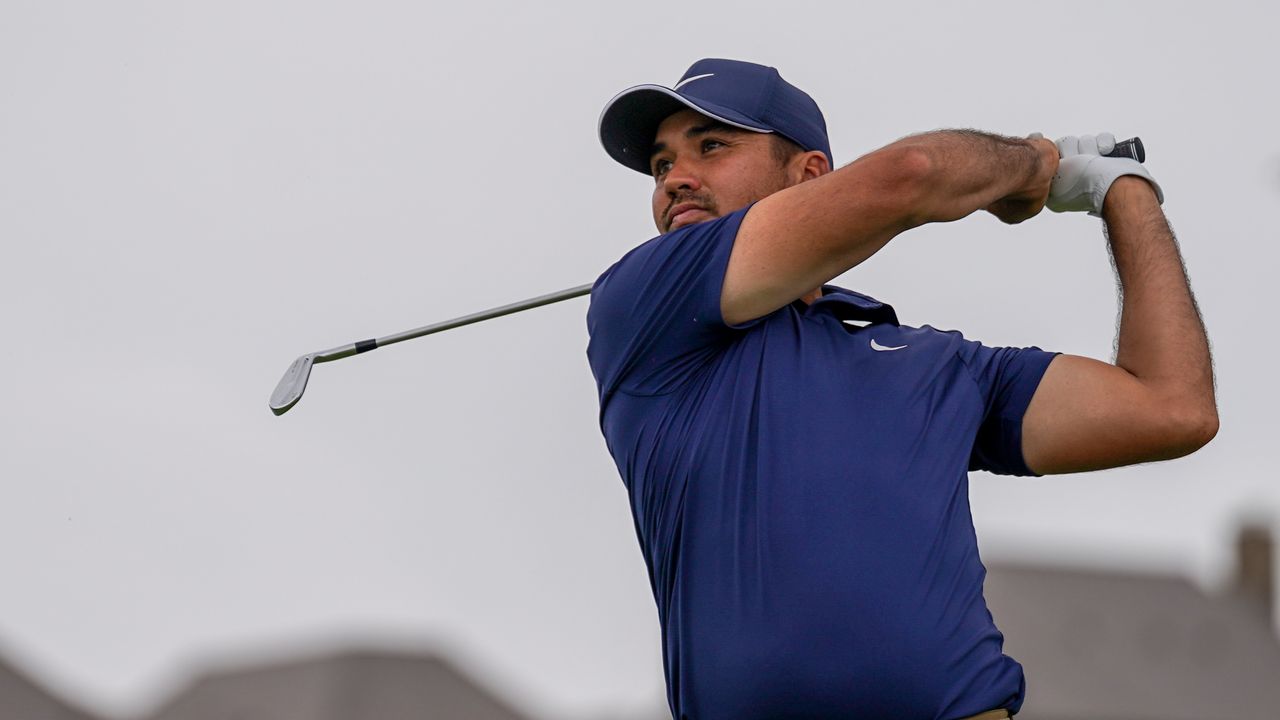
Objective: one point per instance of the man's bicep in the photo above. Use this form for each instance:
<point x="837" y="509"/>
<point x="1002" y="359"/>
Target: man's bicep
<point x="797" y="239"/>
<point x="1090" y="415"/>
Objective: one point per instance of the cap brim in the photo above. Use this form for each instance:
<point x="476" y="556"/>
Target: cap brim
<point x="630" y="121"/>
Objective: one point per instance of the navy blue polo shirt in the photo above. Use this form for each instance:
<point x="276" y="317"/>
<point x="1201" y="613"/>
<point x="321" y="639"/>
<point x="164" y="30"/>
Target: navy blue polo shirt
<point x="800" y="492"/>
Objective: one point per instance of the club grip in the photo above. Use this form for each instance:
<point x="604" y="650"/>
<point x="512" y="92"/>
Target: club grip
<point x="1131" y="148"/>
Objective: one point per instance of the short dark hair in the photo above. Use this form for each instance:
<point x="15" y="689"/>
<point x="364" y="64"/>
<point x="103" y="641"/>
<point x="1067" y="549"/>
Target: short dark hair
<point x="784" y="149"/>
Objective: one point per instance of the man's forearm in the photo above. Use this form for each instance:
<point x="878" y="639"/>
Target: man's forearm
<point x="800" y="237"/>
<point x="1162" y="339"/>
<point x="971" y="170"/>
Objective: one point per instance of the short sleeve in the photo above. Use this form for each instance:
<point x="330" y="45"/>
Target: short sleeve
<point x="655" y="318"/>
<point x="1007" y="378"/>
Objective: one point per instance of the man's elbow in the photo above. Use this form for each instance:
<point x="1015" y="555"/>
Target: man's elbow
<point x="915" y="164"/>
<point x="922" y="188"/>
<point x="1207" y="429"/>
<point x="1197" y="430"/>
<point x="906" y="178"/>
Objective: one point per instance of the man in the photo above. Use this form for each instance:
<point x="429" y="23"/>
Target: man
<point x="797" y="459"/>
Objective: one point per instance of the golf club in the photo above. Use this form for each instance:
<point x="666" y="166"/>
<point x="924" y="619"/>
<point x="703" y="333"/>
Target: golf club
<point x="291" y="386"/>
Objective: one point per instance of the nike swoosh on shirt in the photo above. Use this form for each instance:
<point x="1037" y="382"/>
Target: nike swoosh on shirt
<point x="686" y="81"/>
<point x="877" y="346"/>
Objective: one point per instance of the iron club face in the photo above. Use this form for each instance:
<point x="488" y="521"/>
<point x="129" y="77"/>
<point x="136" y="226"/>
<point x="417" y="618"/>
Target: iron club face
<point x="290" y="388"/>
<point x="294" y="382"/>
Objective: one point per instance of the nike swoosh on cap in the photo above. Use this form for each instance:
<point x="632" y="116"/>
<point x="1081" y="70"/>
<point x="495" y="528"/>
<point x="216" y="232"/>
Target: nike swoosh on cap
<point x="877" y="346"/>
<point x="686" y="81"/>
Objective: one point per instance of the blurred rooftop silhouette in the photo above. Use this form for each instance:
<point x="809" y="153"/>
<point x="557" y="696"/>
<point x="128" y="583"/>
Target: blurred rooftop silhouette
<point x="1096" y="645"/>
<point x="22" y="698"/>
<point x="347" y="684"/>
<point x="1120" y="646"/>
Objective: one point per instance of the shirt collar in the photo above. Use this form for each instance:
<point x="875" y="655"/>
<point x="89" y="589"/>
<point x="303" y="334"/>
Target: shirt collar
<point x="850" y="305"/>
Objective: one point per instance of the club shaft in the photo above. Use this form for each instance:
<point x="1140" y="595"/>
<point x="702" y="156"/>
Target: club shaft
<point x="515" y="307"/>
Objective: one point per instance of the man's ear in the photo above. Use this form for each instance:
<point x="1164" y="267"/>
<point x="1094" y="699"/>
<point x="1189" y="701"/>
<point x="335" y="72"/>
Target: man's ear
<point x="813" y="165"/>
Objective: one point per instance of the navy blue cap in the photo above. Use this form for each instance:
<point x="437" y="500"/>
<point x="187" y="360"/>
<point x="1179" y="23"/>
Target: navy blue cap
<point x="742" y="94"/>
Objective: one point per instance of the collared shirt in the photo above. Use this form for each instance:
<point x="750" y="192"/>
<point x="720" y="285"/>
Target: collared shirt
<point x="799" y="489"/>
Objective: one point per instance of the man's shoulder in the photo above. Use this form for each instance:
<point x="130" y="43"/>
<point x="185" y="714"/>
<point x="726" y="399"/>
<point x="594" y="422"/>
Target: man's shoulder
<point x="612" y="287"/>
<point x="655" y="313"/>
<point x="663" y="257"/>
<point x="601" y="283"/>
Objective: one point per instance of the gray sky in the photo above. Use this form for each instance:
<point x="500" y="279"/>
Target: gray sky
<point x="193" y="194"/>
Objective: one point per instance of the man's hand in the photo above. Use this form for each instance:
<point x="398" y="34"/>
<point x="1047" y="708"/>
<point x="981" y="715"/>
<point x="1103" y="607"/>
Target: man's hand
<point x="1084" y="175"/>
<point x="1028" y="201"/>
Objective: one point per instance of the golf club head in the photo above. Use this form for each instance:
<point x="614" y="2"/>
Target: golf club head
<point x="289" y="391"/>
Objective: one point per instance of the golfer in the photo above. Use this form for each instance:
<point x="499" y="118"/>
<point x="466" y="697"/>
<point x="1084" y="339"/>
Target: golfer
<point x="796" y="458"/>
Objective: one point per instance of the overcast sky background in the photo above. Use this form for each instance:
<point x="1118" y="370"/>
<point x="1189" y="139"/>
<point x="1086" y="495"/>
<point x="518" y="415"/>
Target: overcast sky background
<point x="194" y="194"/>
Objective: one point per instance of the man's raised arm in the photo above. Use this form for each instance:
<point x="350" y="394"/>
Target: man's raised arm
<point x="1157" y="401"/>
<point x="793" y="241"/>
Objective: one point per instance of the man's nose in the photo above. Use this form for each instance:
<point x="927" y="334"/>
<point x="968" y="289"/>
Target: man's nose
<point x="681" y="177"/>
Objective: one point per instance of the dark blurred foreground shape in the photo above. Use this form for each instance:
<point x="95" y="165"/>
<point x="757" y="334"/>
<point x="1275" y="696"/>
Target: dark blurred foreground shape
<point x="354" y="684"/>
<point x="1096" y="646"/>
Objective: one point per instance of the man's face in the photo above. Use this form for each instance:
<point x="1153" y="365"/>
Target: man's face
<point x="703" y="169"/>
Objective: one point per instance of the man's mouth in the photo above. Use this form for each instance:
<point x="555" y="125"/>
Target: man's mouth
<point x="683" y="212"/>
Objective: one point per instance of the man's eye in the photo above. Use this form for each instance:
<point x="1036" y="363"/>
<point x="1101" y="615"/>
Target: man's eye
<point x="661" y="167"/>
<point x="711" y="145"/>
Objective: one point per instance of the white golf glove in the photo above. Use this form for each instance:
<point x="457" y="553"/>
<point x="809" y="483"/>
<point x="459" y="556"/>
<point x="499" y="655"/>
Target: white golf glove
<point x="1084" y="174"/>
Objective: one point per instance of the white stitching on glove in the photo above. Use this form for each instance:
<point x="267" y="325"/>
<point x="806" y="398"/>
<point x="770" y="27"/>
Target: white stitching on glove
<point x="1084" y="175"/>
